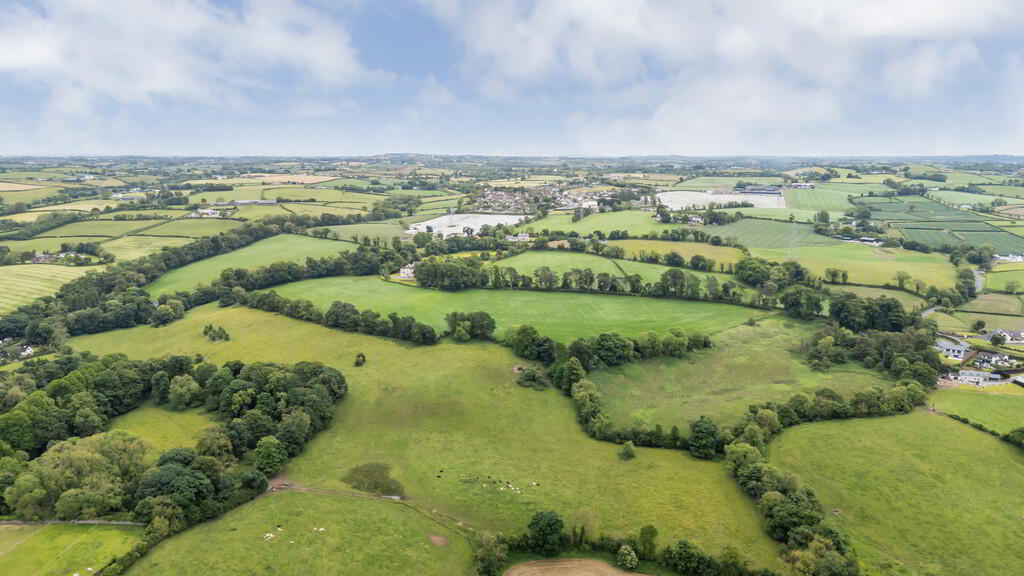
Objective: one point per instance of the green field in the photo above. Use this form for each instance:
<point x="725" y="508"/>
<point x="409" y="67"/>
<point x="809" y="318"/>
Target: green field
<point x="957" y="198"/>
<point x="457" y="408"/>
<point x="361" y="536"/>
<point x="561" y="261"/>
<point x="318" y="209"/>
<point x="194" y="227"/>
<point x="131" y="247"/>
<point x="869" y="264"/>
<point x="993" y="321"/>
<point x="99" y="228"/>
<point x="384" y="231"/>
<point x="280" y="248"/>
<point x="59" y="550"/>
<point x="162" y="428"/>
<point x="748" y="364"/>
<point x="23" y="283"/>
<point x="908" y="300"/>
<point x="998" y="280"/>
<point x="635" y="221"/>
<point x="724" y="254"/>
<point x="353" y="199"/>
<point x="770" y="234"/>
<point x="995" y="303"/>
<point x="999" y="412"/>
<point x="46" y="244"/>
<point x="1008" y="191"/>
<point x="818" y="199"/>
<point x="562" y="316"/>
<point x="706" y="182"/>
<point x="916" y="494"/>
<point x="82" y="205"/>
<point x="33" y="195"/>
<point x="148" y="214"/>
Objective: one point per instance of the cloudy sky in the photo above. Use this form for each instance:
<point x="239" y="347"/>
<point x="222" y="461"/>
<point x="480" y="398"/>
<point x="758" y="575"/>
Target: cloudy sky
<point x="593" y="77"/>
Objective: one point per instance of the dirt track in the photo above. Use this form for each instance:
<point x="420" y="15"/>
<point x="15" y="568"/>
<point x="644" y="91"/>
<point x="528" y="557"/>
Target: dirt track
<point x="565" y="567"/>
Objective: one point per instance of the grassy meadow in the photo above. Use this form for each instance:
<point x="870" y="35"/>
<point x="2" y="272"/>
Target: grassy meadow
<point x="916" y="494"/>
<point x="757" y="234"/>
<point x="909" y="301"/>
<point x="720" y="382"/>
<point x="723" y="254"/>
<point x="59" y="550"/>
<point x="562" y="316"/>
<point x="995" y="303"/>
<point x="131" y="247"/>
<point x="381" y="230"/>
<point x="455" y="411"/>
<point x="194" y="227"/>
<point x="162" y="428"/>
<point x="280" y="248"/>
<point x="360" y="536"/>
<point x="99" y="228"/>
<point x="562" y="261"/>
<point x="999" y="412"/>
<point x="819" y="199"/>
<point x="23" y="283"/>
<point x="869" y="264"/>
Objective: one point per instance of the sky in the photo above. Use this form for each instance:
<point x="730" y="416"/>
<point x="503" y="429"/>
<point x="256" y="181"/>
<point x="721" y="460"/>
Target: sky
<point x="511" y="77"/>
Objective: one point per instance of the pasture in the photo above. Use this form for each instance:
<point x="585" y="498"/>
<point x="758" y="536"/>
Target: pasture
<point x="81" y="205"/>
<point x="362" y="536"/>
<point x="99" y="228"/>
<point x="909" y="301"/>
<point x="318" y="209"/>
<point x="46" y="243"/>
<point x="381" y="230"/>
<point x="869" y="264"/>
<point x="455" y="411"/>
<point x="562" y="261"/>
<point x="562" y="316"/>
<point x="999" y="412"/>
<point x="256" y="212"/>
<point x="61" y="549"/>
<point x="916" y="494"/>
<point x="33" y="195"/>
<point x="635" y="221"/>
<point x="16" y="187"/>
<point x="753" y="233"/>
<point x="353" y="199"/>
<point x="1005" y="191"/>
<point x="280" y="248"/>
<point x="723" y="254"/>
<point x="131" y="247"/>
<point x="818" y="199"/>
<point x="194" y="227"/>
<point x="747" y="365"/>
<point x="162" y="428"/>
<point x="999" y="279"/>
<point x="23" y="283"/>
<point x="290" y="178"/>
<point x="957" y="198"/>
<point x="994" y="303"/>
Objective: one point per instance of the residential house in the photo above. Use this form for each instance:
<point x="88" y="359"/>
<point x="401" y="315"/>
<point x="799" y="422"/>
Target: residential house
<point x="977" y="377"/>
<point x="407" y="272"/>
<point x="521" y="237"/>
<point x="696" y="220"/>
<point x="952" y="351"/>
<point x="1011" y="336"/>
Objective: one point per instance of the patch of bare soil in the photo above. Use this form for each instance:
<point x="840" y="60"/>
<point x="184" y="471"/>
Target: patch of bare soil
<point x="565" y="567"/>
<point x="438" y="540"/>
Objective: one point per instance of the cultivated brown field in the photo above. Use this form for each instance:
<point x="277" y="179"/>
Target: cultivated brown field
<point x="565" y="567"/>
<point x="15" y="187"/>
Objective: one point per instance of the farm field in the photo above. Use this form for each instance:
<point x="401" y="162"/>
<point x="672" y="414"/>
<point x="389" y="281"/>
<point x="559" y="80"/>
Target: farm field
<point x="353" y="199"/>
<point x="46" y="244"/>
<point x="869" y="264"/>
<point x="153" y="214"/>
<point x="194" y="227"/>
<point x="162" y="428"/>
<point x="706" y="182"/>
<point x="881" y="478"/>
<point x="747" y="365"/>
<point x="562" y="316"/>
<point x="957" y="198"/>
<point x="363" y="536"/>
<point x="455" y="223"/>
<point x="909" y="301"/>
<point x="81" y="205"/>
<point x="636" y="221"/>
<point x="562" y="261"/>
<point x="722" y="254"/>
<point x="280" y="248"/>
<point x="131" y="247"/>
<point x="255" y="192"/>
<point x="33" y="195"/>
<point x="993" y="321"/>
<point x="290" y="178"/>
<point x="1006" y="191"/>
<point x="384" y="231"/>
<point x="680" y="199"/>
<point x="23" y="283"/>
<point x="58" y="550"/>
<point x="100" y="228"/>
<point x="468" y="417"/>
<point x="818" y="199"/>
<point x="802" y="216"/>
<point x="255" y="212"/>
<point x="995" y="303"/>
<point x="24" y="216"/>
<point x="317" y="209"/>
<point x="753" y="233"/>
<point x="999" y="279"/>
<point x="851" y="188"/>
<point x="999" y="412"/>
<point x="17" y="187"/>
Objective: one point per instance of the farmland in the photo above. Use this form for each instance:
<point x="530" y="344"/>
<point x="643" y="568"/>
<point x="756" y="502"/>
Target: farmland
<point x="674" y="392"/>
<point x="562" y="316"/>
<point x="161" y="428"/>
<point x="58" y="550"/>
<point x="995" y="303"/>
<point x="131" y="247"/>
<point x="281" y="248"/>
<point x="99" y="228"/>
<point x="722" y="254"/>
<point x="999" y="412"/>
<point x="193" y="228"/>
<point x="24" y="283"/>
<point x="880" y="479"/>
<point x="755" y="234"/>
<point x="909" y="301"/>
<point x="381" y="230"/>
<point x="819" y="199"/>
<point x="364" y="536"/>
<point x="467" y="417"/>
<point x="561" y="261"/>
<point x="863" y="263"/>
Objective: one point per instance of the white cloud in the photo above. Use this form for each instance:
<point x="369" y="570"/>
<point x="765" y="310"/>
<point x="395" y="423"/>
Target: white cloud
<point x="922" y="69"/>
<point x="85" y="53"/>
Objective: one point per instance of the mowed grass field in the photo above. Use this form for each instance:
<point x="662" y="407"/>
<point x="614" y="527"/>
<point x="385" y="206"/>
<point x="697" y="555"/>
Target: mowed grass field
<point x="384" y="231"/>
<point x="753" y="233"/>
<point x="131" y="247"/>
<point x="23" y="283"/>
<point x="747" y="365"/>
<point x="916" y="494"/>
<point x="59" y="550"/>
<point x="360" y="536"/>
<point x="818" y="199"/>
<point x="868" y="264"/>
<point x="51" y="244"/>
<point x="162" y="428"/>
<point x="562" y="261"/>
<point x="908" y="300"/>
<point x="280" y="248"/>
<point x="456" y="408"/>
<point x="635" y="221"/>
<point x="1000" y="279"/>
<point x="562" y="316"/>
<point x="723" y="254"/>
<point x="100" y="228"/>
<point x="995" y="303"/>
<point x="999" y="412"/>
<point x="194" y="227"/>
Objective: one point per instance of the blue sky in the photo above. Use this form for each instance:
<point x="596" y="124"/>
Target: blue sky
<point x="573" y="77"/>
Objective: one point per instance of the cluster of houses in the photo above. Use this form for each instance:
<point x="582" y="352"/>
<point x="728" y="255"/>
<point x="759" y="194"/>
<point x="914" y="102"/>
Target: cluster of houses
<point x="204" y="213"/>
<point x="521" y="237"/>
<point x="985" y="364"/>
<point x="1008" y="258"/>
<point x="49" y="258"/>
<point x="259" y="202"/>
<point x="22" y="351"/>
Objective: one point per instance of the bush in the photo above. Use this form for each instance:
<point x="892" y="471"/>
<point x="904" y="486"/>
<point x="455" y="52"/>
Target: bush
<point x="626" y="558"/>
<point x="628" y="452"/>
